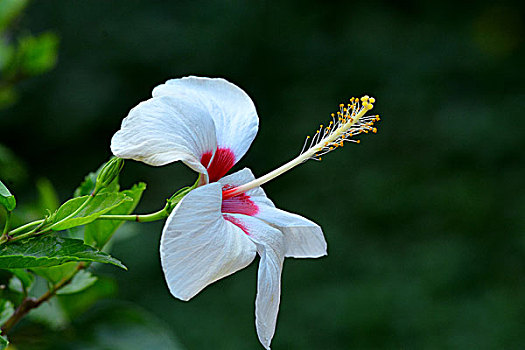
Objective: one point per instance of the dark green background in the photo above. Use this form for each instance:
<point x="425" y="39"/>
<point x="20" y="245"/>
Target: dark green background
<point x="425" y="220"/>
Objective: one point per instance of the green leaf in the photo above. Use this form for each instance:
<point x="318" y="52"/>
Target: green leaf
<point x="56" y="274"/>
<point x="37" y="54"/>
<point x="98" y="233"/>
<point x="9" y="10"/>
<point x="82" y="280"/>
<point x="98" y="205"/>
<point x="6" y="310"/>
<point x="76" y="304"/>
<point x="48" y="196"/>
<point x="50" y="314"/>
<point x="6" y="198"/>
<point x="3" y="342"/>
<point x="123" y="327"/>
<point x="25" y="277"/>
<point x="50" y="250"/>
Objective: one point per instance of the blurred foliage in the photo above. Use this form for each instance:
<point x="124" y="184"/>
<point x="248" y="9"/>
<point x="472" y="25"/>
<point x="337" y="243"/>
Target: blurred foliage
<point x="21" y="55"/>
<point x="425" y="220"/>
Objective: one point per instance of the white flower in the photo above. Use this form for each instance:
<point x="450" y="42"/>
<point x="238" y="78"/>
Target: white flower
<point x="209" y="125"/>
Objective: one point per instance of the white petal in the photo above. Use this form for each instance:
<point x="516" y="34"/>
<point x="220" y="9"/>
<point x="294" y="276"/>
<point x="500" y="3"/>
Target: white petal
<point x="165" y="129"/>
<point x="270" y="246"/>
<point x="230" y="107"/>
<point x="303" y="238"/>
<point x="198" y="246"/>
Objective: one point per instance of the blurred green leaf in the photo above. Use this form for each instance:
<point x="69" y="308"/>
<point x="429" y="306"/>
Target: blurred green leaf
<point x="82" y="280"/>
<point x="98" y="233"/>
<point x="50" y="314"/>
<point x="36" y="54"/>
<point x="123" y="327"/>
<point x="9" y="10"/>
<point x="48" y="196"/>
<point x="3" y="342"/>
<point x="11" y="167"/>
<point x="6" y="198"/>
<point x="6" y="310"/>
<point x="99" y="205"/>
<point x="50" y="250"/>
<point x="8" y="96"/>
<point x="55" y="274"/>
<point x="76" y="304"/>
<point x="25" y="277"/>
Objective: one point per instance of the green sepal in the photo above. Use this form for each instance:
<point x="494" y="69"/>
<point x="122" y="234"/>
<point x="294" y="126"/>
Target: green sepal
<point x="108" y="173"/>
<point x="98" y="205"/>
<point x="7" y="200"/>
<point x="50" y="250"/>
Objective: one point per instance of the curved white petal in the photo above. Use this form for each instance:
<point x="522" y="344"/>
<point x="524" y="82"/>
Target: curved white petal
<point x="165" y="129"/>
<point x="270" y="246"/>
<point x="303" y="238"/>
<point x="232" y="110"/>
<point x="198" y="246"/>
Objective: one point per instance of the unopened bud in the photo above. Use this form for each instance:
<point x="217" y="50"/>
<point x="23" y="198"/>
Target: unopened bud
<point x="108" y="173"/>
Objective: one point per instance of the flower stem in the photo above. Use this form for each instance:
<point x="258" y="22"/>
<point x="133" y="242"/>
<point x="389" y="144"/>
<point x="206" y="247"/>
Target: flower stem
<point x="159" y="215"/>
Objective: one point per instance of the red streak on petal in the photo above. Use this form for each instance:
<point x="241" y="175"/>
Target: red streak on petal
<point x="223" y="161"/>
<point x="236" y="222"/>
<point x="239" y="204"/>
<point x="205" y="159"/>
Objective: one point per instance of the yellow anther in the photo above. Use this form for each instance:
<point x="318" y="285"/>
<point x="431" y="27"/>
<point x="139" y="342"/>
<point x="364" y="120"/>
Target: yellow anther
<point x="341" y="105"/>
<point x="372" y="100"/>
<point x="374" y="130"/>
<point x="364" y="98"/>
<point x="331" y="148"/>
<point x="358" y="141"/>
<point x="332" y="114"/>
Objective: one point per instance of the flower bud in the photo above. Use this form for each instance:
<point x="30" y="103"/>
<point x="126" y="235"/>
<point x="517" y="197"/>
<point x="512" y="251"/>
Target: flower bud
<point x="108" y="173"/>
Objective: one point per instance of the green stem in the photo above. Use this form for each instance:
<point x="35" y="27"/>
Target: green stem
<point x="7" y="219"/>
<point x="159" y="215"/>
<point x="25" y="227"/>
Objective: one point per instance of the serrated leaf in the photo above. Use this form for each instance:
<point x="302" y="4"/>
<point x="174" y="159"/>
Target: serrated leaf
<point x="6" y="310"/>
<point x="82" y="280"/>
<point x="99" y="205"/>
<point x="98" y="233"/>
<point x="50" y="250"/>
<point x="6" y="198"/>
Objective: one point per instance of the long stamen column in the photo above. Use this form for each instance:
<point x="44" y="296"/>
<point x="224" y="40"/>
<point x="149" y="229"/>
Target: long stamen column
<point x="349" y="121"/>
